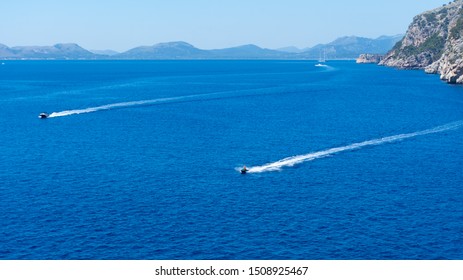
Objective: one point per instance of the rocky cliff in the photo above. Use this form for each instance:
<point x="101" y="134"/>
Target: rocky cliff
<point x="434" y="42"/>
<point x="369" y="58"/>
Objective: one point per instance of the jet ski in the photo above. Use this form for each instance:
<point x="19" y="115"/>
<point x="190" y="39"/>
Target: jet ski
<point x="43" y="115"/>
<point x="244" y="170"/>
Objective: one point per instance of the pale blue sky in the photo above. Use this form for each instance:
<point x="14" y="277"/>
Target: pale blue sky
<point x="123" y="24"/>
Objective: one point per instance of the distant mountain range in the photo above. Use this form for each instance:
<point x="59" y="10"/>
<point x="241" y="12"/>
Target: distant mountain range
<point x="352" y="46"/>
<point x="342" y="48"/>
<point x="104" y="52"/>
<point x="58" y="51"/>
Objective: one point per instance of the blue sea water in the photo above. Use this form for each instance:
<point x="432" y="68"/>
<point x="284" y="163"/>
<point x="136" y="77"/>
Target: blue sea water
<point x="153" y="175"/>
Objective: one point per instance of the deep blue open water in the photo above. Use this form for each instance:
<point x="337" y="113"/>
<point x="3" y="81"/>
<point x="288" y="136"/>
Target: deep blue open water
<point x="153" y="175"/>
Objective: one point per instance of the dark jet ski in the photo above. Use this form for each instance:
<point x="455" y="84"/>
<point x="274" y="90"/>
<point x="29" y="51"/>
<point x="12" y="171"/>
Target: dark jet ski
<point x="43" y="115"/>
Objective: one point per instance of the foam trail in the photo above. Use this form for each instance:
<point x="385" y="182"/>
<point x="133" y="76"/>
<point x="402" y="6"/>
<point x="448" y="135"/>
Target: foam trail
<point x="291" y="161"/>
<point x="118" y="105"/>
<point x="150" y="101"/>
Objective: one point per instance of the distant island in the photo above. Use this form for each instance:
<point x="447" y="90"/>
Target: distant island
<point x="433" y="42"/>
<point x="349" y="47"/>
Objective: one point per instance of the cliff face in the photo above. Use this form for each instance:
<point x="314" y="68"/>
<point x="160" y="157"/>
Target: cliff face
<point x="434" y="42"/>
<point x="369" y="58"/>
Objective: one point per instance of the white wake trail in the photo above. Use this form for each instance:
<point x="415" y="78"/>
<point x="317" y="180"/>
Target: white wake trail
<point x="291" y="161"/>
<point x="118" y="105"/>
<point x="158" y="100"/>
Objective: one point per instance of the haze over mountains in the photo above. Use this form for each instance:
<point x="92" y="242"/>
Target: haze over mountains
<point x="58" y="51"/>
<point x="342" y="48"/>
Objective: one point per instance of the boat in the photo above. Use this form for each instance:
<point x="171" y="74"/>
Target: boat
<point x="321" y="60"/>
<point x="43" y="115"/>
<point x="244" y="170"/>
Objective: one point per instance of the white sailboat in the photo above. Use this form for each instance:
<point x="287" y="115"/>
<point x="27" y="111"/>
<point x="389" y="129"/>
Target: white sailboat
<point x="322" y="60"/>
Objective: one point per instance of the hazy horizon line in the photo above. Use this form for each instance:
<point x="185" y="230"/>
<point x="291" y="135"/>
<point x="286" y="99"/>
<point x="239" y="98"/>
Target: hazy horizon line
<point x="184" y="41"/>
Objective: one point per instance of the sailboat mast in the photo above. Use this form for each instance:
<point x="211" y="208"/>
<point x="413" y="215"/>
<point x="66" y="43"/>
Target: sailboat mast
<point x="322" y="58"/>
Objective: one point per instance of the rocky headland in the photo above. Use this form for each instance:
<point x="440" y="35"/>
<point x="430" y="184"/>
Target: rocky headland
<point x="369" y="58"/>
<point x="433" y="42"/>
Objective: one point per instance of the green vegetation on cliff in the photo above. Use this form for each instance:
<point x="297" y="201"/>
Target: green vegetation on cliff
<point x="456" y="32"/>
<point x="434" y="45"/>
<point x="434" y="42"/>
